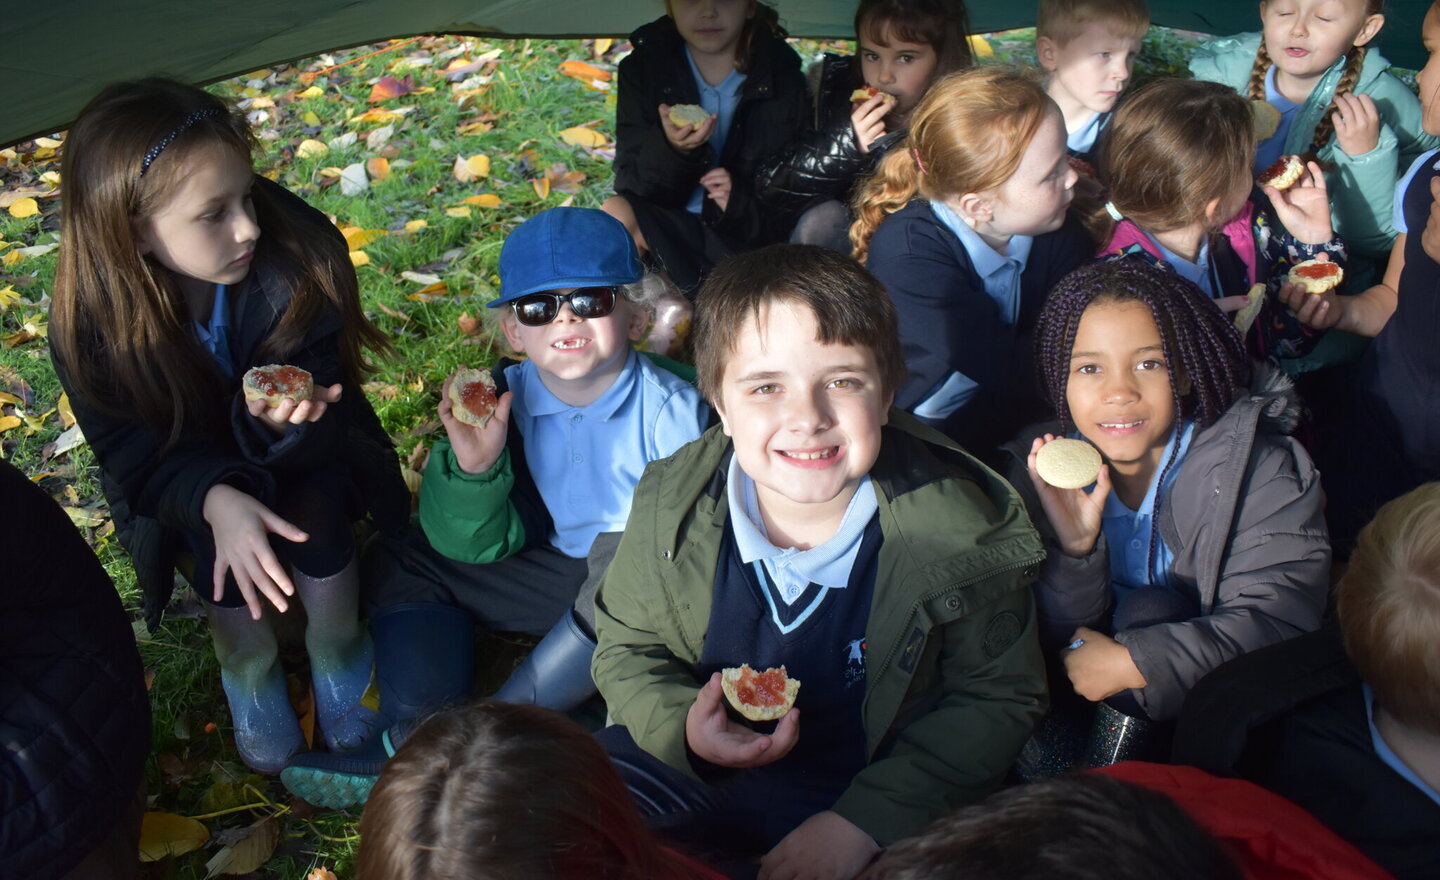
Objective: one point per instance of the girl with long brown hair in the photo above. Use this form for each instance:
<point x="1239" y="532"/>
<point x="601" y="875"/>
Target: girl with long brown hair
<point x="966" y="224"/>
<point x="180" y="268"/>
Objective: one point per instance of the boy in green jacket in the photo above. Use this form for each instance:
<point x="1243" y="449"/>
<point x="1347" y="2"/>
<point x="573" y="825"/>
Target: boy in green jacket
<point x="820" y="530"/>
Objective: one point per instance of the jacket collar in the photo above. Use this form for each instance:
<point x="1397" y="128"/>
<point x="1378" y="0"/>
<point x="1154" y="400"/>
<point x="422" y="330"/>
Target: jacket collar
<point x="772" y="54"/>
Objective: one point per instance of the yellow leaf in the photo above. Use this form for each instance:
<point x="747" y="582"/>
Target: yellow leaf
<point x="414" y="226"/>
<point x="8" y="297"/>
<point x="461" y="211"/>
<point x="359" y="258"/>
<point x="262" y="103"/>
<point x="542" y="187"/>
<point x="9" y="422"/>
<point x="11" y="258"/>
<point x="311" y="148"/>
<point x="484" y="200"/>
<point x="474" y="128"/>
<point x="601" y="46"/>
<point x="330" y="171"/>
<point x="24" y="208"/>
<point x="380" y="115"/>
<point x="49" y="143"/>
<point x="7" y="397"/>
<point x="357" y="238"/>
<point x="51" y="177"/>
<point x="312" y="92"/>
<point x="310" y="117"/>
<point x="67" y="415"/>
<point x="980" y="47"/>
<point x="467" y="169"/>
<point x="580" y="136"/>
<point x="378" y="167"/>
<point x="166" y="834"/>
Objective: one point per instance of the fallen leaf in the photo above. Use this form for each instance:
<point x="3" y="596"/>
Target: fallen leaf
<point x="37" y="250"/>
<point x="9" y="423"/>
<point x="474" y="128"/>
<point x="8" y="297"/>
<point x="247" y="853"/>
<point x="601" y="46"/>
<point x="413" y="480"/>
<point x="166" y="834"/>
<point x="378" y="168"/>
<point x="388" y="87"/>
<point x="11" y="259"/>
<point x="320" y="874"/>
<point x="380" y="115"/>
<point x="149" y="677"/>
<point x="413" y="226"/>
<point x="484" y="200"/>
<point x="70" y="439"/>
<point x="542" y="187"/>
<point x="588" y="74"/>
<point x="980" y="47"/>
<point x="579" y="136"/>
<point x="311" y="118"/>
<point x="24" y="208"/>
<point x="431" y="292"/>
<point x="312" y="92"/>
<point x="51" y="177"/>
<point x="344" y="141"/>
<point x="211" y="727"/>
<point x="7" y="397"/>
<point x="470" y="326"/>
<point x="378" y="138"/>
<point x="417" y="277"/>
<point x="67" y="415"/>
<point x="468" y="168"/>
<point x="460" y="211"/>
<point x="85" y="517"/>
<point x="353" y="180"/>
<point x="47" y="143"/>
<point x="310" y="149"/>
<point x="392" y="313"/>
<point x="359" y="258"/>
<point x="357" y="238"/>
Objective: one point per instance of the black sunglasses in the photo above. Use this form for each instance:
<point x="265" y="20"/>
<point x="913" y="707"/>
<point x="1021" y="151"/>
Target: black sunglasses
<point x="539" y="309"/>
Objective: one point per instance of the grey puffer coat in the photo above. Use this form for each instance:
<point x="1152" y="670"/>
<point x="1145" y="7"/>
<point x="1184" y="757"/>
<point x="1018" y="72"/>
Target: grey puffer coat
<point x="1244" y="519"/>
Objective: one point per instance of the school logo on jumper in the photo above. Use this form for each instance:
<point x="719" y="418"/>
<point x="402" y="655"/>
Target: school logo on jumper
<point x="854" y="661"/>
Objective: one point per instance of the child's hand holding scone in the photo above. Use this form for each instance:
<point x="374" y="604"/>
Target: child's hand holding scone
<point x="1074" y="513"/>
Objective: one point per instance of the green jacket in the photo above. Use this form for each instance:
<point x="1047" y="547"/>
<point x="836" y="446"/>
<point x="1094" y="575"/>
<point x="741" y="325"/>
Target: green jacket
<point x="1362" y="188"/>
<point x="954" y="679"/>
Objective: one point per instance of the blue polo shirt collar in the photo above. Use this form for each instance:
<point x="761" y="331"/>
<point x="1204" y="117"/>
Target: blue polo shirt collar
<point x="541" y="402"/>
<point x="999" y="273"/>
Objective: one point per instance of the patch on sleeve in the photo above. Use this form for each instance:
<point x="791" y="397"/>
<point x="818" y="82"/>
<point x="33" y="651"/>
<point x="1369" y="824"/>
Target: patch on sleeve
<point x="1002" y="631"/>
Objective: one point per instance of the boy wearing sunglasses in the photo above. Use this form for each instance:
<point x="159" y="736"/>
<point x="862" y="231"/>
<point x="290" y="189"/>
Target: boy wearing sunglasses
<point x="821" y="530"/>
<point x="521" y="517"/>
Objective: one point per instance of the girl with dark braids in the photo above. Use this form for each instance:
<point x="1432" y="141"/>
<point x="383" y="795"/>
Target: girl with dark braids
<point x="1313" y="63"/>
<point x="1203" y="537"/>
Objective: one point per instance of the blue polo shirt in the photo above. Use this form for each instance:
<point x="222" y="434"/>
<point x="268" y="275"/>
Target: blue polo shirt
<point x="586" y="460"/>
<point x="1387" y="754"/>
<point x="1128" y="532"/>
<point x="720" y="100"/>
<point x="215" y="335"/>
<point x="1082" y="139"/>
<point x="1000" y="275"/>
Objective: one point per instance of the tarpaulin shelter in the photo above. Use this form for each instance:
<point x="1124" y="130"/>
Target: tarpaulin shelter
<point x="57" y="55"/>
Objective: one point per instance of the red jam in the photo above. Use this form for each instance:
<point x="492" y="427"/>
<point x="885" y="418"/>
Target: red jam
<point x="1276" y="169"/>
<point x="762" y="688"/>
<point x="284" y="381"/>
<point x="479" y="398"/>
<point x="1317" y="271"/>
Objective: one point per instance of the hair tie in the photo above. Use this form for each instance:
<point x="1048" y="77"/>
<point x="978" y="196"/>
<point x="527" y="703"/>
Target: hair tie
<point x="918" y="164"/>
<point x="1114" y="212"/>
<point x="159" y="148"/>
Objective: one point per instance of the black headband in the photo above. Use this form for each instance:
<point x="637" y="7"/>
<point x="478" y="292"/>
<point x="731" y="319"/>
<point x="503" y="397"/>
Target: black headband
<point x="190" y="120"/>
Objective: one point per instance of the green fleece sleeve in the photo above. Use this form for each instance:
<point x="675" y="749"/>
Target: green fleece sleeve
<point x="469" y="517"/>
<point x="992" y="695"/>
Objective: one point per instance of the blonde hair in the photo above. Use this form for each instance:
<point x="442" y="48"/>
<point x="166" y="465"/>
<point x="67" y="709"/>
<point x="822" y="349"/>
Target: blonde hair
<point x="1172" y="147"/>
<point x="968" y="134"/>
<point x="1388" y="602"/>
<point x="1064" y="20"/>
<point x="1354" y="60"/>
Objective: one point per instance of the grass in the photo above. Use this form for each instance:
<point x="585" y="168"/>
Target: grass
<point x="510" y="103"/>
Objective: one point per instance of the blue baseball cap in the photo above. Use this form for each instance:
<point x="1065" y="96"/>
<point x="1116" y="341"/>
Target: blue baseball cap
<point x="566" y="247"/>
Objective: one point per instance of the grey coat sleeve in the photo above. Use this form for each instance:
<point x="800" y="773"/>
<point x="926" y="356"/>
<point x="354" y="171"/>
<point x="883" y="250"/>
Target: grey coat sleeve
<point x="1272" y="582"/>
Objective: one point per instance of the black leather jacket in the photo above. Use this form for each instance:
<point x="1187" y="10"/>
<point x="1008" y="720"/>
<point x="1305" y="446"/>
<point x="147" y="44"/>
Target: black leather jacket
<point x="826" y="161"/>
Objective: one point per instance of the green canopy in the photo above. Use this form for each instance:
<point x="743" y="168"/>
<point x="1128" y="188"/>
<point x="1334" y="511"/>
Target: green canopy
<point x="56" y="57"/>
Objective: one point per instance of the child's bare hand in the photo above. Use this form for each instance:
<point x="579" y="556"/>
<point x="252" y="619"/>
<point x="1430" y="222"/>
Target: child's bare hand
<point x="476" y="449"/>
<point x="714" y="737"/>
<point x="685" y="138"/>
<point x="1102" y="667"/>
<point x="827" y="846"/>
<point x="279" y="418"/>
<point x="1357" y="123"/>
<point x="1430" y="238"/>
<point x="1318" y="310"/>
<point x="1304" y="208"/>
<point x="868" y="120"/>
<point x="1229" y="304"/>
<point x="1074" y="514"/>
<point x="717" y="185"/>
<point x="241" y="527"/>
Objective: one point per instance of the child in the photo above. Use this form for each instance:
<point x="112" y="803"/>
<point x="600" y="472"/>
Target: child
<point x="508" y="790"/>
<point x="1203" y="536"/>
<point x="1335" y="101"/>
<point x="520" y="517"/>
<point x="686" y="191"/>
<point x="1087" y="49"/>
<point x="902" y="47"/>
<point x="884" y="567"/>
<point x="1388" y="439"/>
<point x="968" y="230"/>
<point x="1177" y="161"/>
<point x="179" y="270"/>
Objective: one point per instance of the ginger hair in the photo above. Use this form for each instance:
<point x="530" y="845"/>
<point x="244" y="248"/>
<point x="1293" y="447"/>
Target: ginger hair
<point x="1172" y="147"/>
<point x="1388" y="602"/>
<point x="1064" y="20"/>
<point x="968" y="133"/>
<point x="1354" y="60"/>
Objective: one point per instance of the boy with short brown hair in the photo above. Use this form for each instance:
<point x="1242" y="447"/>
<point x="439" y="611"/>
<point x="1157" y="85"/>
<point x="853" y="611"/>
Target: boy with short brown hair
<point x="820" y="530"/>
<point x="1087" y="49"/>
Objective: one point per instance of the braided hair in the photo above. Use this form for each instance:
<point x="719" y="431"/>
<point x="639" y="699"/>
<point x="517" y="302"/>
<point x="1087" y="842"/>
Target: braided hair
<point x="1204" y="352"/>
<point x="1354" y="60"/>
